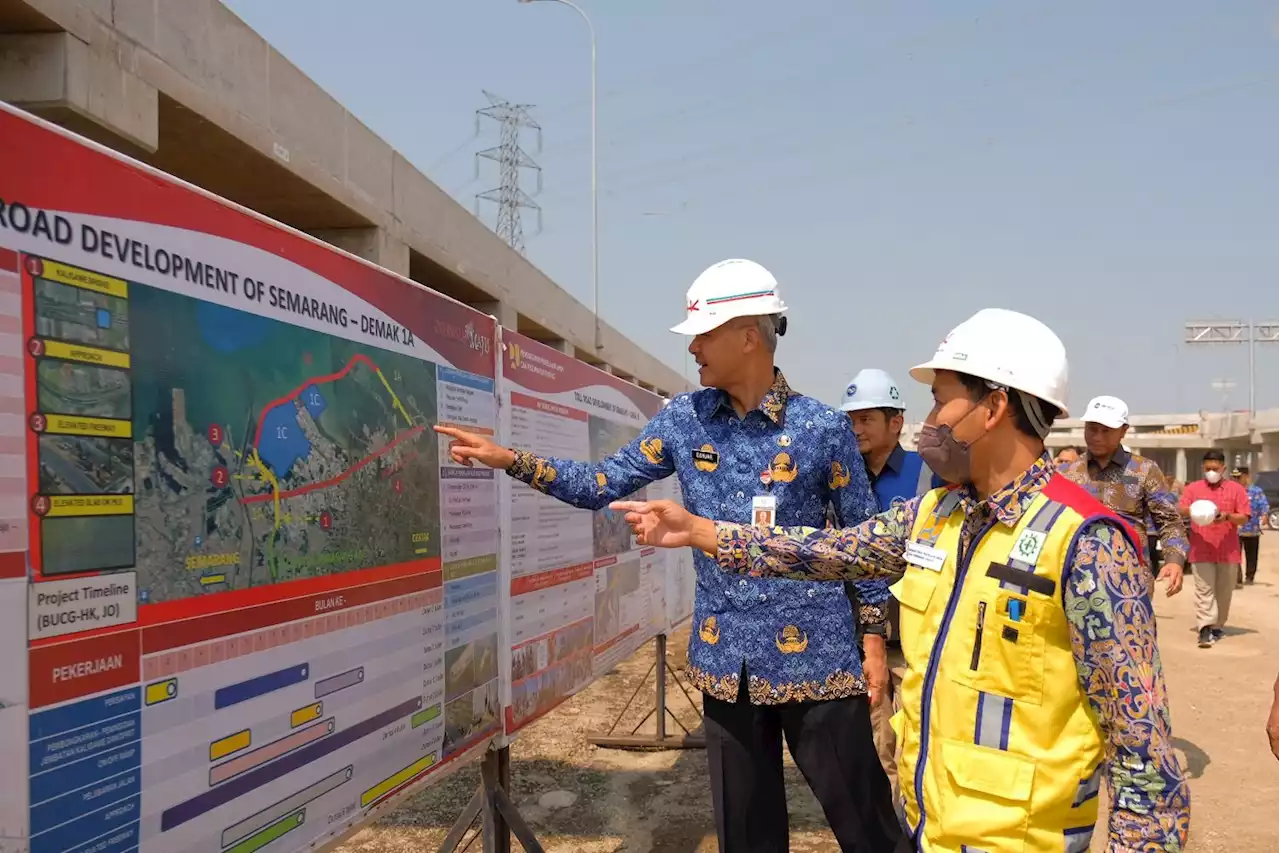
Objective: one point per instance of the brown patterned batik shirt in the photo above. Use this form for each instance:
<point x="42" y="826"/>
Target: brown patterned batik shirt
<point x="1135" y="488"/>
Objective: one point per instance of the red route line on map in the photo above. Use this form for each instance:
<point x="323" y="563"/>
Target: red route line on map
<point x="318" y="380"/>
<point x="333" y="481"/>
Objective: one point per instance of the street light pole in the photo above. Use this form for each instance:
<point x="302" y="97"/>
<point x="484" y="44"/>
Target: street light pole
<point x="595" y="189"/>
<point x="1235" y="332"/>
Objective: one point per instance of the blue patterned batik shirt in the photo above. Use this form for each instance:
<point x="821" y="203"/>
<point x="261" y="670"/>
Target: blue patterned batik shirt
<point x="793" y="641"/>
<point x="1258" y="509"/>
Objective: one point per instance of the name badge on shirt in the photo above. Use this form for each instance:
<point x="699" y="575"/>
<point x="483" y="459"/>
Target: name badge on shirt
<point x="925" y="556"/>
<point x="764" y="510"/>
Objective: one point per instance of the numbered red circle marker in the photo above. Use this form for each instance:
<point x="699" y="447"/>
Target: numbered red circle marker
<point x="326" y="520"/>
<point x="35" y="346"/>
<point x="220" y="477"/>
<point x="38" y="422"/>
<point x="215" y="435"/>
<point x="35" y="266"/>
<point x="40" y="505"/>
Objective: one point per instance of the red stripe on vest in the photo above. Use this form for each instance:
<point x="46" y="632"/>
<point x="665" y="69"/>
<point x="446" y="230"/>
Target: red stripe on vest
<point x="1080" y="499"/>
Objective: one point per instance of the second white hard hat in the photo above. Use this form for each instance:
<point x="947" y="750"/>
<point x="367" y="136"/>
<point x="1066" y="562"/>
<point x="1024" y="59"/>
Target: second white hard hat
<point x="1202" y="512"/>
<point x="871" y="389"/>
<point x="729" y="289"/>
<point x="1109" y="411"/>
<point x="1007" y="348"/>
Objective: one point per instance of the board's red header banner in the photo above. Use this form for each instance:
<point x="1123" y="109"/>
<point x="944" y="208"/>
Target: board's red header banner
<point x="61" y="175"/>
<point x="540" y="369"/>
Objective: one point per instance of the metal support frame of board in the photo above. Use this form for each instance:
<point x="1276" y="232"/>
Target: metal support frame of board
<point x="500" y="819"/>
<point x="659" y="739"/>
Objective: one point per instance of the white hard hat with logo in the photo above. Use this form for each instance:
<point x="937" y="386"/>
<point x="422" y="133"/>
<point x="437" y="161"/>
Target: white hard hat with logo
<point x="729" y="289"/>
<point x="1108" y="411"/>
<point x="871" y="389"/>
<point x="1008" y="349"/>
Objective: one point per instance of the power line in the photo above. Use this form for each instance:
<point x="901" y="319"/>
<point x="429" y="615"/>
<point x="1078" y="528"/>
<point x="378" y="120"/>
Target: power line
<point x="451" y="153"/>
<point x="771" y="39"/>
<point x="878" y="167"/>
<point x="710" y="159"/>
<point x="510" y="158"/>
<point x="834" y="68"/>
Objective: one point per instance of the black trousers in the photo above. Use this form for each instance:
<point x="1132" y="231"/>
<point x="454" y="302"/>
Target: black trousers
<point x="831" y="744"/>
<point x="1250" y="546"/>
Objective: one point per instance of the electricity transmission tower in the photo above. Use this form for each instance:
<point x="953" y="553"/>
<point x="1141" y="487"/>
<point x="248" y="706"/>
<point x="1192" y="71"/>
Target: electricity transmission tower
<point x="1235" y="332"/>
<point x="511" y="158"/>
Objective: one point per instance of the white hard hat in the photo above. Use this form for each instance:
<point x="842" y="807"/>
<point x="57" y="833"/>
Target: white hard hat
<point x="871" y="389"/>
<point x="1203" y="512"/>
<point x="733" y="288"/>
<point x="1108" y="411"/>
<point x="1007" y="348"/>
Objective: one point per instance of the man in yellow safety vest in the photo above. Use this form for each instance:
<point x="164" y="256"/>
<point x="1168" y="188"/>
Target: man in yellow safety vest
<point x="1026" y="623"/>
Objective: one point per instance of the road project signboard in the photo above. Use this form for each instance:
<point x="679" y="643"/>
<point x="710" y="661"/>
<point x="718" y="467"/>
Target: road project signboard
<point x="244" y="596"/>
<point x="579" y="595"/>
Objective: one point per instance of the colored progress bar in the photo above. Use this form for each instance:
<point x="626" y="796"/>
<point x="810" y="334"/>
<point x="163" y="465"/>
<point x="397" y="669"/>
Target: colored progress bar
<point x="425" y="716"/>
<point x="161" y="691"/>
<point x="390" y="783"/>
<point x="222" y="747"/>
<point x="341" y="681"/>
<point x="244" y="763"/>
<point x="271" y="833"/>
<point x="243" y="691"/>
<point x="187" y="810"/>
<point x="252" y="824"/>
<point x="306" y="714"/>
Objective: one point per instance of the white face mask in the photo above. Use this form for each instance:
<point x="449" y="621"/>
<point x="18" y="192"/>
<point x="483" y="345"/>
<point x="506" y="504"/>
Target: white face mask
<point x="1213" y="477"/>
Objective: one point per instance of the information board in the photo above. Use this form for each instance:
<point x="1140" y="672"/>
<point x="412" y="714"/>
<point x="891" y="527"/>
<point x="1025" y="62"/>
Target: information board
<point x="244" y="596"/>
<point x="580" y="597"/>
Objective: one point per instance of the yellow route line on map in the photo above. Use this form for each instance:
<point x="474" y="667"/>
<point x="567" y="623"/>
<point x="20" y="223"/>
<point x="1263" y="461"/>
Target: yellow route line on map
<point x="395" y="401"/>
<point x="270" y="477"/>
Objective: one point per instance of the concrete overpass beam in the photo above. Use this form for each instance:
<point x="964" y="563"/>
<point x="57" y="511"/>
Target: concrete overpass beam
<point x="46" y="73"/>
<point x="1269" y="455"/>
<point x="372" y="244"/>
<point x="507" y="315"/>
<point x="561" y="345"/>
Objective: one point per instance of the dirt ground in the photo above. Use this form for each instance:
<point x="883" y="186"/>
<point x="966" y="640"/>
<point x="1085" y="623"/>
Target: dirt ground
<point x="659" y="801"/>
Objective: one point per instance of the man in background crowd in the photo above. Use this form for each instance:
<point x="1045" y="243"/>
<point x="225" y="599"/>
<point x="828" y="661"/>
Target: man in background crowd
<point x="1066" y="456"/>
<point x="1251" y="530"/>
<point x="1215" y="546"/>
<point x="1131" y="485"/>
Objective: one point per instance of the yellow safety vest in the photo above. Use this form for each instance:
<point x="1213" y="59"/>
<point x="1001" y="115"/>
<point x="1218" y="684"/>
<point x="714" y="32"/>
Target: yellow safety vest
<point x="1000" y="751"/>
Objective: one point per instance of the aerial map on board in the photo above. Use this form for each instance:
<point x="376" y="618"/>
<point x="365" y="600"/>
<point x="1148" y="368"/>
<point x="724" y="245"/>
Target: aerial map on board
<point x="261" y="451"/>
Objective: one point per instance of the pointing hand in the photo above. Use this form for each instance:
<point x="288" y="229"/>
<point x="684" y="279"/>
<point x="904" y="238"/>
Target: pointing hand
<point x="467" y="447"/>
<point x="663" y="524"/>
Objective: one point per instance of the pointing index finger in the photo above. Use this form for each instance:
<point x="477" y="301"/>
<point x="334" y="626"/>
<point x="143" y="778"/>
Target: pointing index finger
<point x="452" y="432"/>
<point x="629" y="506"/>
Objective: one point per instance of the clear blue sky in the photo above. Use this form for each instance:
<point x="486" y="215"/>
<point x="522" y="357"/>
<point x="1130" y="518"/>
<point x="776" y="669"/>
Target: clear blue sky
<point x="1109" y="168"/>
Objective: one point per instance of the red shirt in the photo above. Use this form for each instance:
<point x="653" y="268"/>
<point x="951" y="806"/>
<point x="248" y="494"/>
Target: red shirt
<point x="1218" y="542"/>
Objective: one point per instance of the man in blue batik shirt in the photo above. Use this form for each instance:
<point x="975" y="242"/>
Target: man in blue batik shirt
<point x="1251" y="530"/>
<point x="773" y="659"/>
